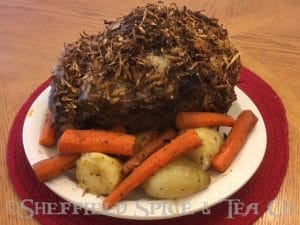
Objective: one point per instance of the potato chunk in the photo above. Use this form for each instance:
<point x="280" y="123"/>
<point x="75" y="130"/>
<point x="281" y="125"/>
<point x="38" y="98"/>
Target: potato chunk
<point x="211" y="142"/>
<point x="179" y="178"/>
<point x="98" y="173"/>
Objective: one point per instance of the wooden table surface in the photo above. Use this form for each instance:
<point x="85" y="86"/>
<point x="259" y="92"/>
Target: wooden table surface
<point x="266" y="32"/>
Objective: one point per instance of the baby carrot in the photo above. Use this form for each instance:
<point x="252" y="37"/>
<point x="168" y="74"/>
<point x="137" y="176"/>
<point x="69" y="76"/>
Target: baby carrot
<point x="154" y="145"/>
<point x="80" y="141"/>
<point x="144" y="138"/>
<point x="48" y="132"/>
<point x="54" y="166"/>
<point x="237" y="137"/>
<point x="183" y="143"/>
<point x="187" y="120"/>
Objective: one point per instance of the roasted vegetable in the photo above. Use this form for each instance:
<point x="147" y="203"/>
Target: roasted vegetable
<point x="182" y="144"/>
<point x="143" y="139"/>
<point x="54" y="166"/>
<point x="81" y="141"/>
<point x="211" y="142"/>
<point x="149" y="149"/>
<point x="98" y="173"/>
<point x="179" y="178"/>
<point x="236" y="139"/>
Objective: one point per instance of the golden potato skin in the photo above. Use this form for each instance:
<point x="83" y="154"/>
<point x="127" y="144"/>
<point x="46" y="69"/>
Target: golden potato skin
<point x="98" y="173"/>
<point x="211" y="142"/>
<point x="179" y="178"/>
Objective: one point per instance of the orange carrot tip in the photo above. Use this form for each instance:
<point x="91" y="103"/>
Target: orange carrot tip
<point x="236" y="139"/>
<point x="54" y="166"/>
<point x="188" y="120"/>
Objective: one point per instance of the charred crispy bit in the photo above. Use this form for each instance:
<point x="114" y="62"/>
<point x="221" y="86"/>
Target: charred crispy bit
<point x="143" y="69"/>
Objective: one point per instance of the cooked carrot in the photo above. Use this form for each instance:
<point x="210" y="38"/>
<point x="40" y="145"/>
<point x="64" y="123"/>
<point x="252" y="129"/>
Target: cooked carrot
<point x="154" y="145"/>
<point x="48" y="132"/>
<point x="237" y="137"/>
<point x="119" y="129"/>
<point x="186" y="120"/>
<point x="54" y="166"/>
<point x="183" y="143"/>
<point x="143" y="139"/>
<point x="79" y="141"/>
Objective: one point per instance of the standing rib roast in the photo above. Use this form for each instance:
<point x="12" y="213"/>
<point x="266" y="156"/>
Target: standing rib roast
<point x="143" y="69"/>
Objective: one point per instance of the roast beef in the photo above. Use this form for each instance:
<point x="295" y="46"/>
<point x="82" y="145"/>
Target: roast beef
<point x="143" y="69"/>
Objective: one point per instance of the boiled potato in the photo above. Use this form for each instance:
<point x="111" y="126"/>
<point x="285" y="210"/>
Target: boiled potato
<point x="98" y="173"/>
<point x="179" y="178"/>
<point x="211" y="142"/>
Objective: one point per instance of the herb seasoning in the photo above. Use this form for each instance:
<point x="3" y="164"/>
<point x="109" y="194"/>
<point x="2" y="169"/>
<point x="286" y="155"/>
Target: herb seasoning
<point x="143" y="69"/>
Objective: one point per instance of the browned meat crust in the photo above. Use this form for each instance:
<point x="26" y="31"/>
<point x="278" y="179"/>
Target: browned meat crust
<point x="143" y="69"/>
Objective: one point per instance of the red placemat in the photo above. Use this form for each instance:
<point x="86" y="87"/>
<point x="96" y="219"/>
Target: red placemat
<point x="258" y="192"/>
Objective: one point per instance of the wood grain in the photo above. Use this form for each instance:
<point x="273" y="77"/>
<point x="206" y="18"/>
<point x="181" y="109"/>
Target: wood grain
<point x="266" y="32"/>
